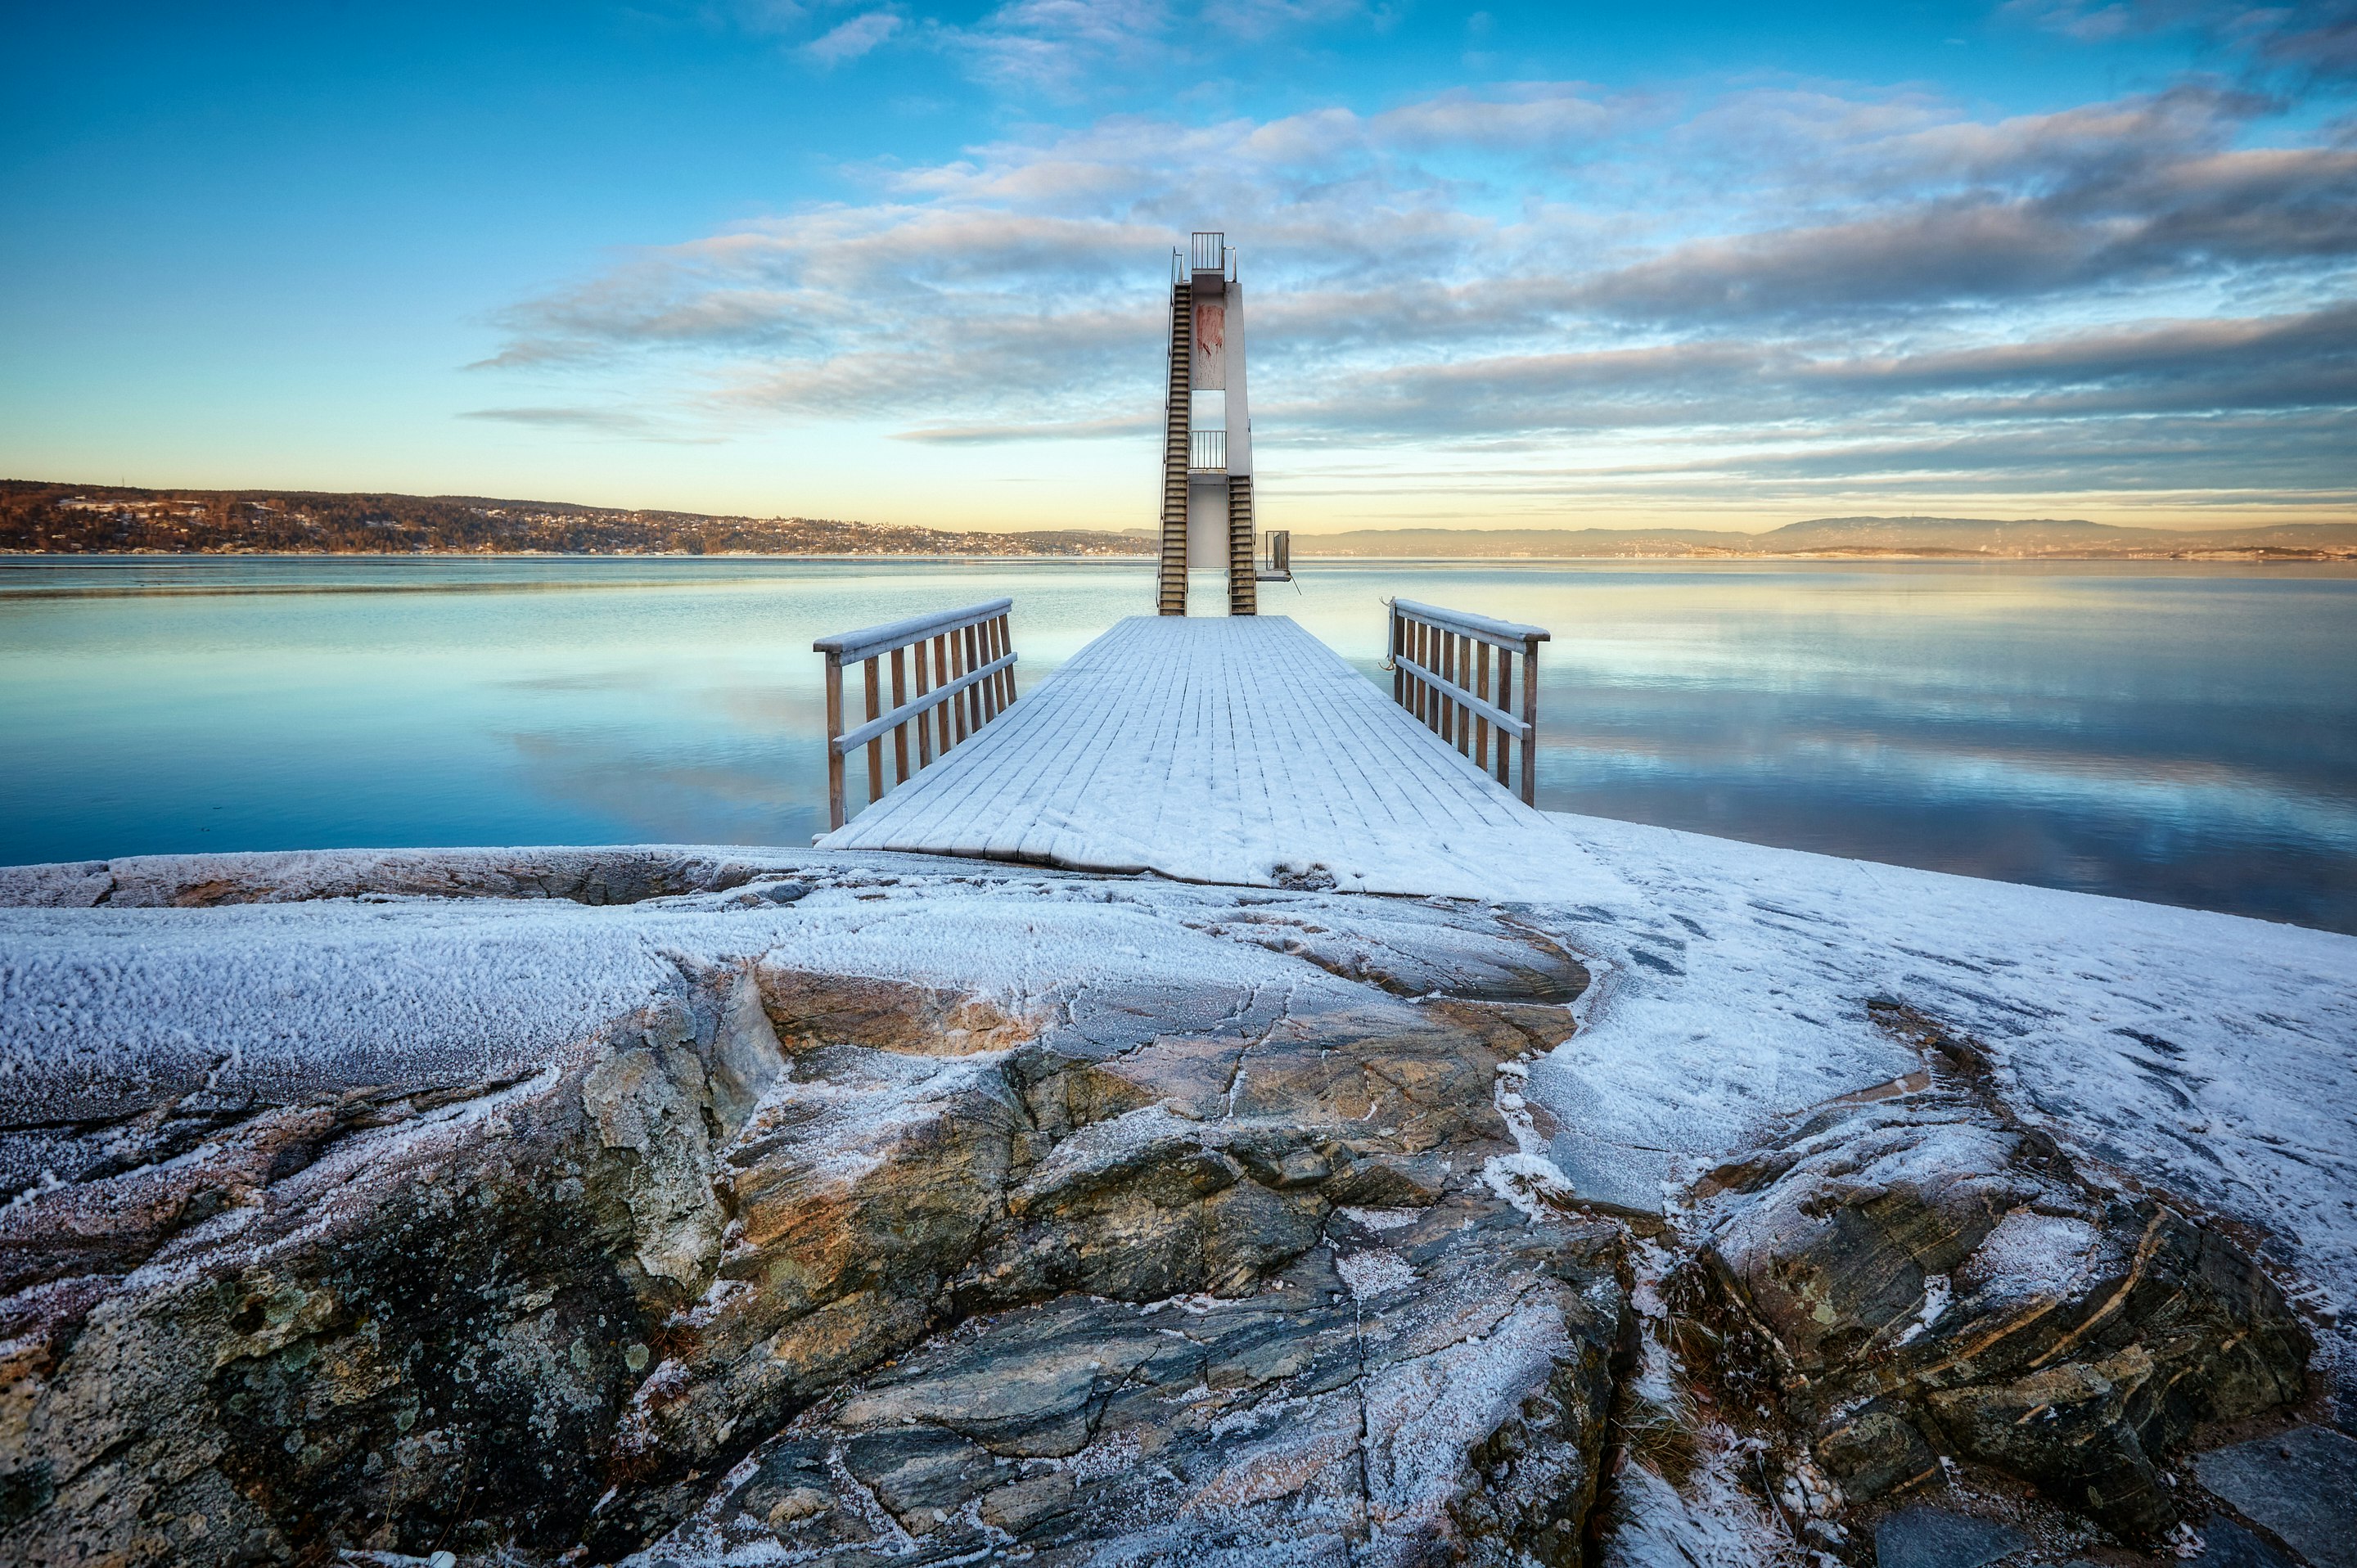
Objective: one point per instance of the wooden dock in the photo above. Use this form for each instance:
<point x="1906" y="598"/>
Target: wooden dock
<point x="1238" y="750"/>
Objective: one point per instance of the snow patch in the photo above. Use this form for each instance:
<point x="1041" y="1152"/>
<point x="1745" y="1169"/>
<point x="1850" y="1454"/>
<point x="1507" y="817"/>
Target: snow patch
<point x="2033" y="1254"/>
<point x="1938" y="1291"/>
<point x="1529" y="1182"/>
<point x="1378" y="1271"/>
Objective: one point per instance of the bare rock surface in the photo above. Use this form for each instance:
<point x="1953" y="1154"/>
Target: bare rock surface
<point x="2302" y="1485"/>
<point x="1433" y="1390"/>
<point x="1934" y="1538"/>
<point x="2226" y="1544"/>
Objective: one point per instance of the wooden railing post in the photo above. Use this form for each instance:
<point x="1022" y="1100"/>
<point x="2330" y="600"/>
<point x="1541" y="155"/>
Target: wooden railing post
<point x="924" y="726"/>
<point x="1442" y="711"/>
<point x="958" y="667"/>
<point x="900" y="730"/>
<point x="834" y="813"/>
<point x="974" y="693"/>
<point x="1505" y="701"/>
<point x="1424" y="657"/>
<point x="1399" y="676"/>
<point x="1462" y="718"/>
<point x="1448" y="667"/>
<point x="874" y="747"/>
<point x="1530" y="720"/>
<point x="1482" y="725"/>
<point x="942" y="672"/>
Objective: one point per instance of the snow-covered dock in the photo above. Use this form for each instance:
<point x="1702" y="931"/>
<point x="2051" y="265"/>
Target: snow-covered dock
<point x="1236" y="750"/>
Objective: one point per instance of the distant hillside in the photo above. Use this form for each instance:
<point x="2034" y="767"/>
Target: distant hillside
<point x="1868" y="536"/>
<point x="113" y="518"/>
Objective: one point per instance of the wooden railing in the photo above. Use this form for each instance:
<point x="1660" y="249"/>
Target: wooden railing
<point x="1443" y="672"/>
<point x="965" y="677"/>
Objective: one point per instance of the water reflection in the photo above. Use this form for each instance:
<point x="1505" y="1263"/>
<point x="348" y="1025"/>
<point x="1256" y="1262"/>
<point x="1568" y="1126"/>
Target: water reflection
<point x="2183" y="734"/>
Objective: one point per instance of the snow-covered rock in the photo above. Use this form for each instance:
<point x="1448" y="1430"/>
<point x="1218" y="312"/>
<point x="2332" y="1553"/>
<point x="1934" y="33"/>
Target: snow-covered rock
<point x="1915" y="1271"/>
<point x="739" y="1204"/>
<point x="377" y="1225"/>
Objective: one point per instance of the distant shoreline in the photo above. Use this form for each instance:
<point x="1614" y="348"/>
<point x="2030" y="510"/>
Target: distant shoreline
<point x="2253" y="557"/>
<point x="52" y="520"/>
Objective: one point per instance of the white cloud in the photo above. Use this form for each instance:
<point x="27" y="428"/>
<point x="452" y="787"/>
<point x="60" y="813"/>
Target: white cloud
<point x="853" y="38"/>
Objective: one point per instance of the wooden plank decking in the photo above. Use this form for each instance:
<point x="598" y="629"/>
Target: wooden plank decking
<point x="1237" y="750"/>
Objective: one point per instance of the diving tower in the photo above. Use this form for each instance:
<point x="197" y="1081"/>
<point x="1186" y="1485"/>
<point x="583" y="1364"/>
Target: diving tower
<point x="1207" y="457"/>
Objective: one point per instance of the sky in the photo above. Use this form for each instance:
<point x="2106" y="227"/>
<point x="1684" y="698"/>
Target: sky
<point x="1557" y="265"/>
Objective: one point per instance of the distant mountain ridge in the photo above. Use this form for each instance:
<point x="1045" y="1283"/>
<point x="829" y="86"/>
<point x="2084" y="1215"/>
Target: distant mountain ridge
<point x="1962" y="536"/>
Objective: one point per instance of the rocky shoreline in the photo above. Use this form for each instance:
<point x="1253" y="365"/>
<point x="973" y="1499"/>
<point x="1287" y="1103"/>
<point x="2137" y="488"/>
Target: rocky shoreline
<point x="706" y="1207"/>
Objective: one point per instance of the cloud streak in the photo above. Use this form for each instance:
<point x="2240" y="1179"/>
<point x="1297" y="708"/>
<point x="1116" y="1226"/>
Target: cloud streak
<point x="594" y="422"/>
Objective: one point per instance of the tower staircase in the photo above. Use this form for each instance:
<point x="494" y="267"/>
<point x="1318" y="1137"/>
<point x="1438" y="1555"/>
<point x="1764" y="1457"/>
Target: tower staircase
<point x="1243" y="575"/>
<point x="1170" y="593"/>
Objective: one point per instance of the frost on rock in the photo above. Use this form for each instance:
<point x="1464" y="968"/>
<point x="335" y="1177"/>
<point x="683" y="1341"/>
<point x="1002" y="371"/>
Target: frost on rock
<point x="933" y="1209"/>
<point x="2204" y="1055"/>
<point x="1376" y="1272"/>
<point x="617" y="876"/>
<point x="1918" y="1273"/>
<point x="739" y="1206"/>
<point x="1712" y="1524"/>
<point x="2034" y="1255"/>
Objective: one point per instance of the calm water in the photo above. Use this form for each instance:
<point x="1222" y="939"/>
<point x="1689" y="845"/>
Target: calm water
<point x="2181" y="734"/>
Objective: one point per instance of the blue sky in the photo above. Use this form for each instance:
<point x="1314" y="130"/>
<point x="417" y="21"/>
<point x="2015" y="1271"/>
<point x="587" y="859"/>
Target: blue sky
<point x="1561" y="265"/>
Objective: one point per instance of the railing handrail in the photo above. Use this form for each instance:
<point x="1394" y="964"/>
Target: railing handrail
<point x="1209" y="250"/>
<point x="851" y="647"/>
<point x="1501" y="633"/>
<point x="1186" y="263"/>
<point x="1207" y="449"/>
